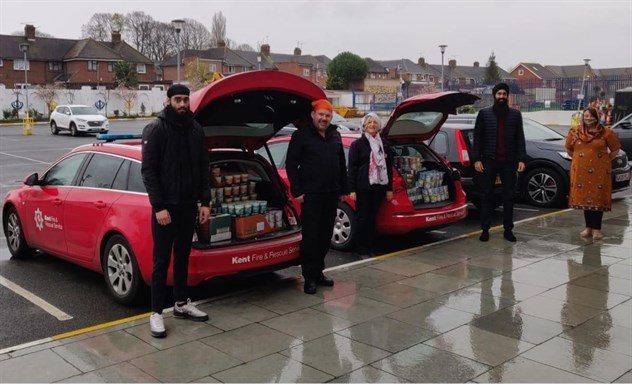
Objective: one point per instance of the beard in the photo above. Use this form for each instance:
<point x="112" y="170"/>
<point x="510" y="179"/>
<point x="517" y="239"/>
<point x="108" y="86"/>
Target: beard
<point x="178" y="117"/>
<point x="501" y="105"/>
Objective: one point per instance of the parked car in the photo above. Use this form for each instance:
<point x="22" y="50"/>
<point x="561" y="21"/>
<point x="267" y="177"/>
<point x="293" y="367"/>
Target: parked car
<point x="345" y="124"/>
<point x="572" y="105"/>
<point x="78" y="119"/>
<point x="413" y="206"/>
<point x="623" y="129"/>
<point x="90" y="207"/>
<point x="545" y="180"/>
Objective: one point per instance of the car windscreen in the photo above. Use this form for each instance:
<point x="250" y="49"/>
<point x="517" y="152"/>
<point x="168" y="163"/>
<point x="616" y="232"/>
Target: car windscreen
<point x="534" y="131"/>
<point x="84" y="111"/>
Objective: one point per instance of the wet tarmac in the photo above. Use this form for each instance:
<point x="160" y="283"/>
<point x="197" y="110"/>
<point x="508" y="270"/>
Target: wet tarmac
<point x="552" y="307"/>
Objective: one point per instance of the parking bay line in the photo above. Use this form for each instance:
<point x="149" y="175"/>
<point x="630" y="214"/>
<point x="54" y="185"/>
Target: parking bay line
<point x="24" y="158"/>
<point x="59" y="314"/>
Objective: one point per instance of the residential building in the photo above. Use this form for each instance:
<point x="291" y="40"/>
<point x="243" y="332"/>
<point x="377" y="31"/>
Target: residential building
<point x="72" y="63"/>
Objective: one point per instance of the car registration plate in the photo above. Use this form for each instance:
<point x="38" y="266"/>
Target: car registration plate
<point x="622" y="177"/>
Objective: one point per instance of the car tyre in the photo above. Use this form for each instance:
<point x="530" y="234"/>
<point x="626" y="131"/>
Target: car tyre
<point x="73" y="130"/>
<point x="545" y="188"/>
<point x="53" y="128"/>
<point x="14" y="233"/>
<point x="345" y="226"/>
<point x="120" y="271"/>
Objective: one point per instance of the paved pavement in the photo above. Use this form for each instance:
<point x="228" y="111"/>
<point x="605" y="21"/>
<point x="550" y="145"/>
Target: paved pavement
<point x="552" y="307"/>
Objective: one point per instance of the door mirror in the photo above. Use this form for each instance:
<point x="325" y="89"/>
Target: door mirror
<point x="32" y="179"/>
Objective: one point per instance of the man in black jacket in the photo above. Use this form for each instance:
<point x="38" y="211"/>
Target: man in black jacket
<point x="175" y="170"/>
<point x="317" y="171"/>
<point x="498" y="149"/>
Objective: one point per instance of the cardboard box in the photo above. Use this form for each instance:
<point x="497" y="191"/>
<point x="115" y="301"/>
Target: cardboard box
<point x="251" y="226"/>
<point x="219" y="224"/>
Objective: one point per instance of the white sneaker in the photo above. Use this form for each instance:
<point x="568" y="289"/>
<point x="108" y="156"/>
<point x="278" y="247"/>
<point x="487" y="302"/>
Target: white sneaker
<point x="157" y="325"/>
<point x="188" y="311"/>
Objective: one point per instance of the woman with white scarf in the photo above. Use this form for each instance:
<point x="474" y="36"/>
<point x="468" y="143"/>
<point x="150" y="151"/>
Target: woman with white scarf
<point x="370" y="175"/>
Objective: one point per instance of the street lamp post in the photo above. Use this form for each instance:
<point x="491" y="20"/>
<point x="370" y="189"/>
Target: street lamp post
<point x="579" y="102"/>
<point x="26" y="126"/>
<point x="442" y="47"/>
<point x="177" y="25"/>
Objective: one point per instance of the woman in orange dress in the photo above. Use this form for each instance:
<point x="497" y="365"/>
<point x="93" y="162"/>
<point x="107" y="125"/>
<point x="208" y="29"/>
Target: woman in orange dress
<point x="592" y="148"/>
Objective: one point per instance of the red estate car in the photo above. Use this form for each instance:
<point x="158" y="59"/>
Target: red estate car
<point x="90" y="207"/>
<point x="427" y="192"/>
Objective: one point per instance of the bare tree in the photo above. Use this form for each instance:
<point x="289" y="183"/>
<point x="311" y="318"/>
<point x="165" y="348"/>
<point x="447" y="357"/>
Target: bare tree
<point x="101" y="26"/>
<point x="138" y="32"/>
<point x="162" y="42"/>
<point x="245" y="47"/>
<point x="128" y="95"/>
<point x="194" y="35"/>
<point x="48" y="94"/>
<point x="218" y="29"/>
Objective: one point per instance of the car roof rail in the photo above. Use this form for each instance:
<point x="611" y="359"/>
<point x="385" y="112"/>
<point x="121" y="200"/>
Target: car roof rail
<point x="110" y="137"/>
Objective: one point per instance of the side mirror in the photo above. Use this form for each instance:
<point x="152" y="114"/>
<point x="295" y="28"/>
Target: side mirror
<point x="32" y="179"/>
<point x="626" y="125"/>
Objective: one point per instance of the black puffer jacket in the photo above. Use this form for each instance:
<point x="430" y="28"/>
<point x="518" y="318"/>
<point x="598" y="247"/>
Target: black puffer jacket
<point x="316" y="165"/>
<point x="485" y="132"/>
<point x="175" y="165"/>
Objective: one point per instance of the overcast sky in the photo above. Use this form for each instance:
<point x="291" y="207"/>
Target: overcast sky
<point x="549" y="32"/>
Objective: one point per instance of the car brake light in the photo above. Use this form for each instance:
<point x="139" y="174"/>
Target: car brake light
<point x="461" y="148"/>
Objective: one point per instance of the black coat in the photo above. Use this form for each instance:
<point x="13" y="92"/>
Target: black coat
<point x="316" y="165"/>
<point x="485" y="132"/>
<point x="175" y="165"/>
<point x="358" y="168"/>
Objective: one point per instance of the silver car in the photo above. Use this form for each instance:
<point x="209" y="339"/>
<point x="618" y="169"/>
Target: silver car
<point x="78" y="119"/>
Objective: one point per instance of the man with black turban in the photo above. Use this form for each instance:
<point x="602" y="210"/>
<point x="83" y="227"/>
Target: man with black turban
<point x="498" y="150"/>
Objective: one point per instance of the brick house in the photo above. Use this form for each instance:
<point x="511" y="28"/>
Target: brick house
<point x="228" y="61"/>
<point x="73" y="63"/>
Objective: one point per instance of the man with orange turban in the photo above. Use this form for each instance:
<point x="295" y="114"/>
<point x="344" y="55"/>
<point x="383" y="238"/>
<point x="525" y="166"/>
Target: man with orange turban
<point x="316" y="168"/>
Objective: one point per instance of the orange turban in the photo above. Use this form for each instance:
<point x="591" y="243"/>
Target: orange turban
<point x="322" y="104"/>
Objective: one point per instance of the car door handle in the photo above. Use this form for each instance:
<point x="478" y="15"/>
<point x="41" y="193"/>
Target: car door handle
<point x="99" y="204"/>
<point x="57" y="202"/>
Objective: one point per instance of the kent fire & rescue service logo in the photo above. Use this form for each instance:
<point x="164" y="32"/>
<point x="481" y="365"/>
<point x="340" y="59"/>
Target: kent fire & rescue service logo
<point x="39" y="219"/>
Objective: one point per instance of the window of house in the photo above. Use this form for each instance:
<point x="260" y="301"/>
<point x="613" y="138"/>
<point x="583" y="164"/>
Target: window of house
<point x="110" y="67"/>
<point x="520" y="72"/>
<point x="212" y="68"/>
<point x="93" y="65"/>
<point x="18" y="65"/>
<point x="143" y="87"/>
<point x="372" y="75"/>
<point x="231" y="69"/>
<point x="140" y="68"/>
<point x="1" y="63"/>
<point x="306" y="72"/>
<point x="54" y="65"/>
<point x="160" y="87"/>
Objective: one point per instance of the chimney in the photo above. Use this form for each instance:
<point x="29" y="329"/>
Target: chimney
<point x="452" y="63"/>
<point x="476" y="65"/>
<point x="297" y="51"/>
<point x="116" y="37"/>
<point x="265" y="49"/>
<point x="221" y="44"/>
<point x="29" y="32"/>
<point x="421" y="62"/>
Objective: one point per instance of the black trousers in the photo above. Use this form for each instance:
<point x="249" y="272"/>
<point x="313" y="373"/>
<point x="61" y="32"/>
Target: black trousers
<point x="318" y="214"/>
<point x="593" y="219"/>
<point x="507" y="170"/>
<point x="367" y="204"/>
<point x="176" y="236"/>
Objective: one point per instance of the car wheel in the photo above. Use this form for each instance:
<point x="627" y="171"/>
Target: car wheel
<point x="73" y="130"/>
<point x="53" y="128"/>
<point x="14" y="233"/>
<point x="344" y="228"/>
<point x="120" y="271"/>
<point x="544" y="187"/>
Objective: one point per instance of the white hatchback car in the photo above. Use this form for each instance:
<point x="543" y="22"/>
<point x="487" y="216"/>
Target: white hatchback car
<point x="78" y="119"/>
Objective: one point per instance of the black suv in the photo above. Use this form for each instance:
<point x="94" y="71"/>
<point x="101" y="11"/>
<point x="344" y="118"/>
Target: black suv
<point x="571" y="105"/>
<point x="545" y="181"/>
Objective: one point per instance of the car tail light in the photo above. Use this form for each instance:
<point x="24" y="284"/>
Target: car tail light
<point x="461" y="148"/>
